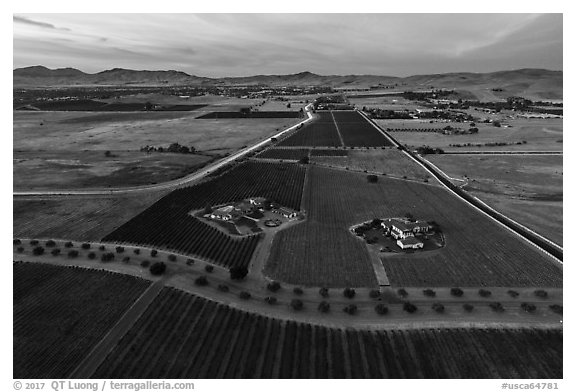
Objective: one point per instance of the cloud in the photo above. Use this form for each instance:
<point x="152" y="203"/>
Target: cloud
<point x="22" y="19"/>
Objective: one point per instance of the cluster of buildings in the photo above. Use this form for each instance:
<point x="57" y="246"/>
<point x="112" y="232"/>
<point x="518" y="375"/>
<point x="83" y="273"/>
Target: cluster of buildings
<point x="404" y="231"/>
<point x="248" y="207"/>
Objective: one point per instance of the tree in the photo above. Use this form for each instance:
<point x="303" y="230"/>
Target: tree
<point x="68" y="244"/>
<point x="429" y="293"/>
<point x="153" y="252"/>
<point x="324" y="292"/>
<point x="107" y="154"/>
<point x="73" y="253"/>
<point x="108" y="256"/>
<point x="297" y="304"/>
<point x="289" y="105"/>
<point x="304" y="160"/>
<point x="381" y="309"/>
<point x="484" y="293"/>
<point x="351" y="309"/>
<point x="224" y="288"/>
<point x="91" y="255"/>
<point x="119" y="249"/>
<point x="528" y="307"/>
<point x="456" y="291"/>
<point x="55" y="252"/>
<point x="38" y="251"/>
<point x="374" y="293"/>
<point x="209" y="268"/>
<point x="201" y="281"/>
<point x="85" y="246"/>
<point x="372" y="178"/>
<point x="409" y="307"/>
<point x="207" y="209"/>
<point x="541" y="293"/>
<point x="438" y="307"/>
<point x="158" y="268"/>
<point x="273" y="286"/>
<point x="148" y="106"/>
<point x="271" y="300"/>
<point x="145" y="263"/>
<point x="402" y="293"/>
<point x="50" y="244"/>
<point x="349" y="293"/>
<point x="245" y="295"/>
<point x="238" y="272"/>
<point x="324" y="307"/>
<point x="298" y="291"/>
<point x="468" y="307"/>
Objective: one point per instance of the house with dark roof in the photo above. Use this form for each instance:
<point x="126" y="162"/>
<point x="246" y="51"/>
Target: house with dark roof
<point x="225" y="213"/>
<point x="285" y="212"/>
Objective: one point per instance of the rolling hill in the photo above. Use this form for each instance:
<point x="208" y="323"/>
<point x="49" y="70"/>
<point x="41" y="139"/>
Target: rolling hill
<point x="529" y="83"/>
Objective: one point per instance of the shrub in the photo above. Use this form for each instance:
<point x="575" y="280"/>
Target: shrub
<point x="91" y="255"/>
<point x="381" y="309"/>
<point x="223" y="288"/>
<point x="55" y="252"/>
<point x="102" y="248"/>
<point x="73" y="253"/>
<point x="496" y="306"/>
<point x="34" y="242"/>
<point x="468" y="307"/>
<point x="126" y="259"/>
<point x="189" y="262"/>
<point x="349" y="293"/>
<point x="153" y="253"/>
<point x="556" y="308"/>
<point x="238" y="272"/>
<point x="20" y="249"/>
<point x="513" y="293"/>
<point x="172" y="258"/>
<point x="409" y="307"/>
<point x="209" y="268"/>
<point x="136" y="251"/>
<point x="402" y="293"/>
<point x="158" y="268"/>
<point x="108" y="256"/>
<point x="541" y="293"/>
<point x="50" y="244"/>
<point x="372" y="178"/>
<point x="245" y="295"/>
<point x="351" y="309"/>
<point x="201" y="280"/>
<point x="16" y="241"/>
<point x="297" y="304"/>
<point x="298" y="291"/>
<point x="324" y="307"/>
<point x="145" y="263"/>
<point x="438" y="307"/>
<point x="528" y="307"/>
<point x="119" y="249"/>
<point x="484" y="293"/>
<point x="85" y="246"/>
<point x="271" y="300"/>
<point x="273" y="286"/>
<point x="456" y="291"/>
<point x="374" y="294"/>
<point x="324" y="292"/>
<point x="429" y="292"/>
<point x="68" y="244"/>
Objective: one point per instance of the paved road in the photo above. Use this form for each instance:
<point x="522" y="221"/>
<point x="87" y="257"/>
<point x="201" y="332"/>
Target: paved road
<point x="92" y="361"/>
<point x="169" y="184"/>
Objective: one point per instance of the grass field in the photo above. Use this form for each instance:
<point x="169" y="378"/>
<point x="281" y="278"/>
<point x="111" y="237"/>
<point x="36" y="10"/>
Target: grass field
<point x="539" y="134"/>
<point x="40" y="170"/>
<point x="390" y="161"/>
<point x="80" y="218"/>
<point x="61" y="313"/>
<point x="478" y="252"/>
<point x="525" y="187"/>
<point x="68" y="148"/>
<point x="184" y="336"/>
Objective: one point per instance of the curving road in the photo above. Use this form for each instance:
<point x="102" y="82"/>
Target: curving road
<point x="174" y="183"/>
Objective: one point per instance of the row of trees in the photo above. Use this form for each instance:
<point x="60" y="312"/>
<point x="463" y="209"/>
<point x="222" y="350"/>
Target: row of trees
<point x="174" y="148"/>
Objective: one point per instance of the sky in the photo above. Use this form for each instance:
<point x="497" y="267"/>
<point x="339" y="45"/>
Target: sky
<point x="216" y="45"/>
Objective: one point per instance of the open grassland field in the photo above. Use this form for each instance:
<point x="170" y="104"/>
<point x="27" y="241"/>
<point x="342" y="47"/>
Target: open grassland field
<point x="80" y="218"/>
<point x="539" y="134"/>
<point x="357" y="132"/>
<point x="40" y="170"/>
<point x="389" y="161"/>
<point x="292" y="154"/>
<point x="253" y="114"/>
<point x="78" y="141"/>
<point x="167" y="223"/>
<point x="524" y="187"/>
<point x="184" y="336"/>
<point x="275" y="105"/>
<point x="478" y="252"/>
<point x="321" y="132"/>
<point x="61" y="313"/>
<point x="386" y="103"/>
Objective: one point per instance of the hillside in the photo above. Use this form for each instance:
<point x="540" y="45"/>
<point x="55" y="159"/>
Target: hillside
<point x="530" y="83"/>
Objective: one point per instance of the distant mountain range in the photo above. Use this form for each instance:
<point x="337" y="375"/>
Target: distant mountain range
<point x="538" y="83"/>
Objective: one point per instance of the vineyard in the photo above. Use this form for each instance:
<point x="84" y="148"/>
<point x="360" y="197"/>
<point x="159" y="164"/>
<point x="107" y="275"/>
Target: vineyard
<point x="329" y="153"/>
<point x="267" y="114"/>
<point x="61" y="313"/>
<point x="357" y="132"/>
<point x="293" y="154"/>
<point x="321" y="132"/>
<point x="184" y="336"/>
<point x="80" y="218"/>
<point x="478" y="252"/>
<point x="167" y="224"/>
